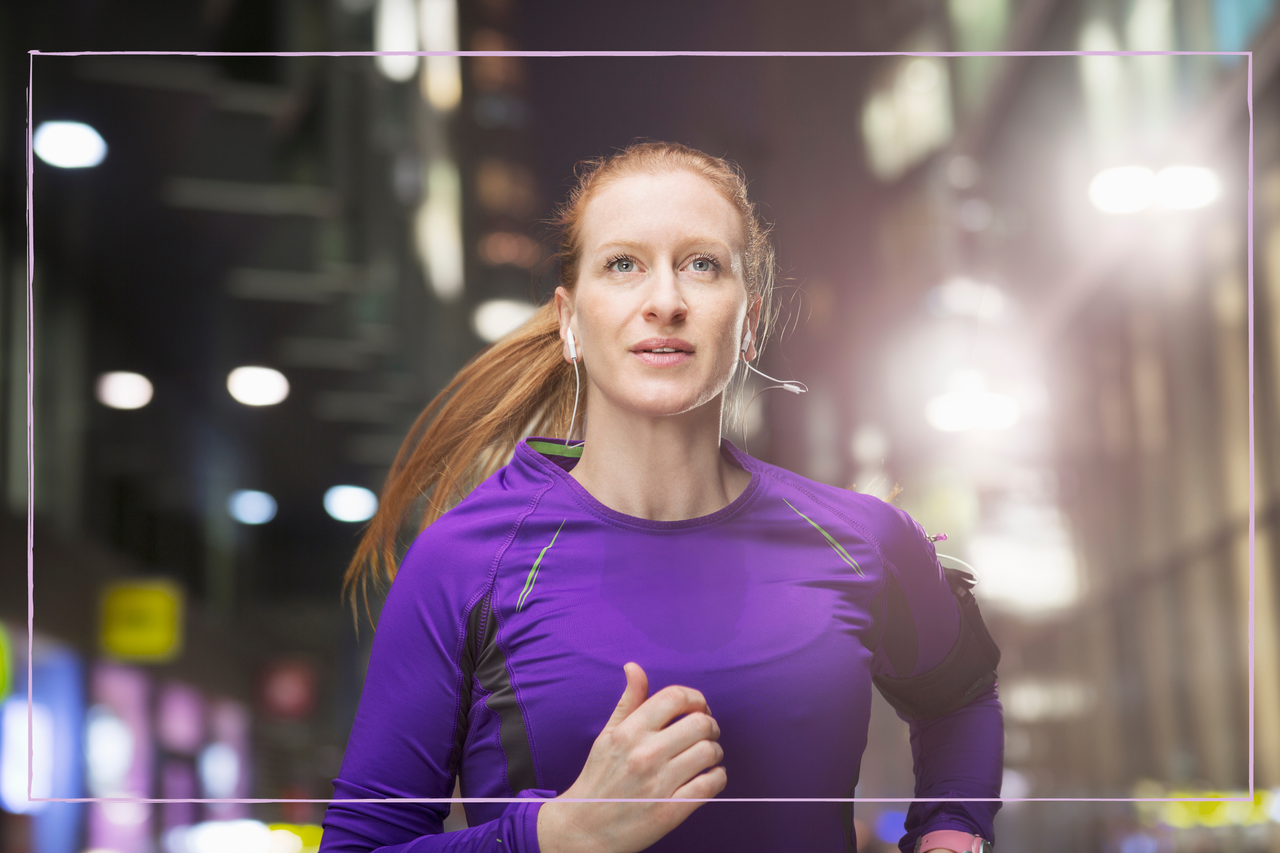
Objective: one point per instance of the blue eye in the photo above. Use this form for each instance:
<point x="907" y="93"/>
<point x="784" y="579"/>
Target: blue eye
<point x="704" y="263"/>
<point x="622" y="264"/>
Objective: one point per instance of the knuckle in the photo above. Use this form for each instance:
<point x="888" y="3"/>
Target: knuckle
<point x="640" y="760"/>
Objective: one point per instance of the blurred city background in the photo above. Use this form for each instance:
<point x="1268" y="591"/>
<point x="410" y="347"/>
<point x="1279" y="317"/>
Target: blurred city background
<point x="1016" y="287"/>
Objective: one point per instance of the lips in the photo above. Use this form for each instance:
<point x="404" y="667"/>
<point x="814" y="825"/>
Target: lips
<point x="663" y="352"/>
<point x="663" y="346"/>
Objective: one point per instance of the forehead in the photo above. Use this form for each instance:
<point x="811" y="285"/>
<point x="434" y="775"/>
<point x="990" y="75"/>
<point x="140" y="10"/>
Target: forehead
<point x="661" y="208"/>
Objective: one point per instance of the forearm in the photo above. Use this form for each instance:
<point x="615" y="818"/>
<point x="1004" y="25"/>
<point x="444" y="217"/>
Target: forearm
<point x="516" y="831"/>
<point x="958" y="756"/>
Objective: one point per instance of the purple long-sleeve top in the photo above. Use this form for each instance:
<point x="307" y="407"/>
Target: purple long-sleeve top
<point x="498" y="660"/>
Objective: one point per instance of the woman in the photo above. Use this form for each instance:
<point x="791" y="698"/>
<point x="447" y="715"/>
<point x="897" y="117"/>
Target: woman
<point x="651" y="553"/>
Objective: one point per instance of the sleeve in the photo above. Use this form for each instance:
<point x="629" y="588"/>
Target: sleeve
<point x="935" y="663"/>
<point x="405" y="734"/>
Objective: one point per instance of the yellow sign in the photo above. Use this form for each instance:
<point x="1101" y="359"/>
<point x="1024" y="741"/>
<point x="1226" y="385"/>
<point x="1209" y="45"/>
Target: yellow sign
<point x="142" y="620"/>
<point x="1202" y="808"/>
<point x="308" y="833"/>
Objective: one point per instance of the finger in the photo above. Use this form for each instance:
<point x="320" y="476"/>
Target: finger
<point x="684" y="733"/>
<point x="667" y="704"/>
<point x="703" y="786"/>
<point x="702" y="756"/>
<point x="633" y="697"/>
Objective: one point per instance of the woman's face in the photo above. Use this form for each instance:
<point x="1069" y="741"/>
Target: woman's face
<point x="661" y="304"/>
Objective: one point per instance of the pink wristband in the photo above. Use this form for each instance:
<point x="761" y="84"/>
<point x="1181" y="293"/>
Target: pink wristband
<point x="950" y="839"/>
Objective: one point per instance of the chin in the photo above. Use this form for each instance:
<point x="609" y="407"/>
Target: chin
<point x="667" y="402"/>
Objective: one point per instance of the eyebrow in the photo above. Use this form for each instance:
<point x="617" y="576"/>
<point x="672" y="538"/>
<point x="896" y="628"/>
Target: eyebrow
<point x="693" y="241"/>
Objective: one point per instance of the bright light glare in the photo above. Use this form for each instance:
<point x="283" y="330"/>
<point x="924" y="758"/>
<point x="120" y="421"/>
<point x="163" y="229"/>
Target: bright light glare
<point x="963" y="297"/>
<point x="13" y="772"/>
<point x="68" y="144"/>
<point x="218" y="836"/>
<point x="442" y="75"/>
<point x="497" y="318"/>
<point x="1032" y="701"/>
<point x="109" y="749"/>
<point x="350" y="503"/>
<point x="123" y="390"/>
<point x="1186" y="187"/>
<point x="219" y="768"/>
<point x="970" y="406"/>
<point x="1025" y="575"/>
<point x="284" y="841"/>
<point x="438" y="230"/>
<point x="250" y="507"/>
<point x="257" y="386"/>
<point x="1014" y="785"/>
<point x="1125" y="189"/>
<point x="870" y="445"/>
<point x="395" y="27"/>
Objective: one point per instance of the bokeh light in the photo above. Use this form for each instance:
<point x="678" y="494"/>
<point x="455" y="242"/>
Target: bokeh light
<point x="257" y="386"/>
<point x="1124" y="189"/>
<point x="498" y="318"/>
<point x="251" y="507"/>
<point x="350" y="503"/>
<point x="68" y="144"/>
<point x="1186" y="187"/>
<point x="123" y="390"/>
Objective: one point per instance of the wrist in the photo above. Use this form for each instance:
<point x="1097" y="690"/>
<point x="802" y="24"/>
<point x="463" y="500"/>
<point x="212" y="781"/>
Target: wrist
<point x="557" y="834"/>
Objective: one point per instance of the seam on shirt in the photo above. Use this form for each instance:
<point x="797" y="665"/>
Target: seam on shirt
<point x="873" y="541"/>
<point x="488" y="589"/>
<point x="498" y="640"/>
<point x="887" y="564"/>
<point x="459" y="749"/>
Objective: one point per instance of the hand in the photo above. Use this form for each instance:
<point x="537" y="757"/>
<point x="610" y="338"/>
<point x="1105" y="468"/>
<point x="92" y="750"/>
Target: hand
<point x="639" y="754"/>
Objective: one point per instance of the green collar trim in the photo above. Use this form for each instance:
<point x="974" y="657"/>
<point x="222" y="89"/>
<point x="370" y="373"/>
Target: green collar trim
<point x="551" y="448"/>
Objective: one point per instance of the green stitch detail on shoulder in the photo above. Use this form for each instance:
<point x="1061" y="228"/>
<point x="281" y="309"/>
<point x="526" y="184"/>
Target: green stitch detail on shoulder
<point x="551" y="448"/>
<point x="844" y="555"/>
<point x="533" y="573"/>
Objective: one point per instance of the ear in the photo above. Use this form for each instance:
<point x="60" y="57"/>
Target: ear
<point x="564" y="312"/>
<point x="753" y="325"/>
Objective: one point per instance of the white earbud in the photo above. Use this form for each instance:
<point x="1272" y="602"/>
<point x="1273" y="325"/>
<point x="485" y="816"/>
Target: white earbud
<point x="577" y="383"/>
<point x="793" y="387"/>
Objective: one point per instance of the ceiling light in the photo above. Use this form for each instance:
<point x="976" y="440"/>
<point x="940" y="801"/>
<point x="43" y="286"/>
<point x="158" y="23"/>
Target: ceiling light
<point x="350" y="503"/>
<point x="123" y="390"/>
<point x="68" y="144"/>
<point x="257" y="386"/>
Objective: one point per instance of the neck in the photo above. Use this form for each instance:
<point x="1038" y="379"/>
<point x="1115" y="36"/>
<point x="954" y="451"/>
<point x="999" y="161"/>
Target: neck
<point x="660" y="468"/>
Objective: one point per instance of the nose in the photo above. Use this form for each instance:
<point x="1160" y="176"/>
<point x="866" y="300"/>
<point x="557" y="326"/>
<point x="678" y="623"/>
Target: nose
<point x="665" y="303"/>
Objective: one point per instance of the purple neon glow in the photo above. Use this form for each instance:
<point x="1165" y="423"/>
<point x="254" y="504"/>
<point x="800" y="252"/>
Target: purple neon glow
<point x="632" y="53"/>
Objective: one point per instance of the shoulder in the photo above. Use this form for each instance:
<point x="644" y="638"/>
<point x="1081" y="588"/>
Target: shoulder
<point x="899" y="537"/>
<point x="451" y="562"/>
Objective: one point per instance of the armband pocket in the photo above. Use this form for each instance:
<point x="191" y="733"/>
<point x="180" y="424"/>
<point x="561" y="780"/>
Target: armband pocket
<point x="968" y="669"/>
